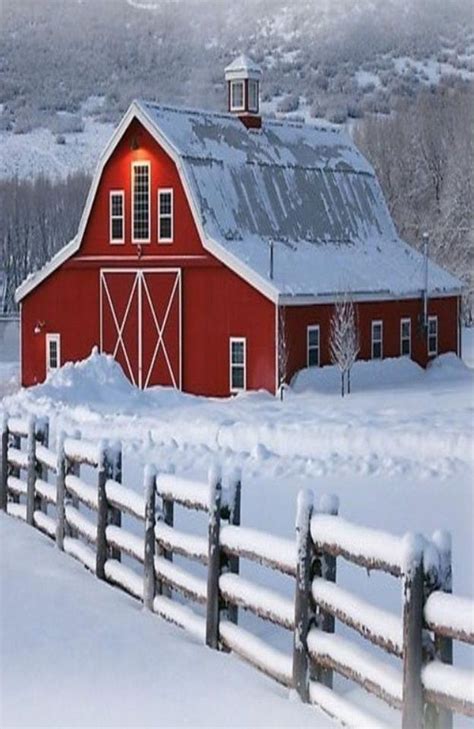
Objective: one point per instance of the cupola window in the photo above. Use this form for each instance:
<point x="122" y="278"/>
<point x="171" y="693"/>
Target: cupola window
<point x="237" y="96"/>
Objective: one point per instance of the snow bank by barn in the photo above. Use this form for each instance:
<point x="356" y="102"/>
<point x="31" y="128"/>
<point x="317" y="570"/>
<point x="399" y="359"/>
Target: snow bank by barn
<point x="379" y="374"/>
<point x="382" y="423"/>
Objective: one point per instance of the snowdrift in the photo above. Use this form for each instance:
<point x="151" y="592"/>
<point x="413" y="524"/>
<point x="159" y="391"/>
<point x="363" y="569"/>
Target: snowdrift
<point x="379" y="374"/>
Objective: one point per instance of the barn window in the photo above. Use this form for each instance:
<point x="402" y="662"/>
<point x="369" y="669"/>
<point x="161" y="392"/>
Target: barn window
<point x="237" y="96"/>
<point x="238" y="364"/>
<point x="377" y="340"/>
<point x="141" y="202"/>
<point x="312" y="346"/>
<point x="432" y="336"/>
<point x="53" y="352"/>
<point x="116" y="207"/>
<point x="165" y="216"/>
<point x="253" y="95"/>
<point x="405" y="337"/>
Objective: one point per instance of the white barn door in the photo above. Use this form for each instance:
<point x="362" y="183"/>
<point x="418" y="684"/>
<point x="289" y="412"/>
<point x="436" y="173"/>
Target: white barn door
<point x="140" y="323"/>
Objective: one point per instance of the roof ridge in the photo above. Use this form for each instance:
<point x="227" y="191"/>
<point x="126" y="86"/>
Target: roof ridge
<point x="285" y="122"/>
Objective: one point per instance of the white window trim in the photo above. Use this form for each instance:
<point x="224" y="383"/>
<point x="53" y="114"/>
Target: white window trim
<point x="253" y="109"/>
<point x="238" y="108"/>
<point x="53" y="338"/>
<point x="375" y="323"/>
<point x="405" y="320"/>
<point x="116" y="241"/>
<point x="309" y="329"/>
<point x="432" y="352"/>
<point x="141" y="163"/>
<point x="233" y="340"/>
<point x="161" y="191"/>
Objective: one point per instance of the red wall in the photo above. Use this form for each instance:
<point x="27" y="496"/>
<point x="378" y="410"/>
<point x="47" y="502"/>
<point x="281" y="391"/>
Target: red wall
<point x="216" y="303"/>
<point x="390" y="312"/>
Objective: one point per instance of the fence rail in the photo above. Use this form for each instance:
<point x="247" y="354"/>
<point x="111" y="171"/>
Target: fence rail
<point x="45" y="487"/>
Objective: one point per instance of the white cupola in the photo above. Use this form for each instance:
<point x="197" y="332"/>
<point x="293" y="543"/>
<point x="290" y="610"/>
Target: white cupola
<point x="243" y="90"/>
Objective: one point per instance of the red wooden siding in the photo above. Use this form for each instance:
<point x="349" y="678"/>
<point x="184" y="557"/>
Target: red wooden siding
<point x="390" y="312"/>
<point x="117" y="175"/>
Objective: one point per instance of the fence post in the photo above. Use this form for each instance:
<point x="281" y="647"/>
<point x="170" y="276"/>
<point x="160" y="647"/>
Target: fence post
<point x="303" y="608"/>
<point x="149" y="581"/>
<point x="443" y="718"/>
<point x="115" y="515"/>
<point x="104" y="471"/>
<point x="413" y="582"/>
<point x="60" y="491"/>
<point x="234" y="519"/>
<point x="213" y="570"/>
<point x="325" y="567"/>
<point x="14" y="470"/>
<point x="167" y="516"/>
<point x="42" y="437"/>
<point x="4" y="464"/>
<point x="31" y="470"/>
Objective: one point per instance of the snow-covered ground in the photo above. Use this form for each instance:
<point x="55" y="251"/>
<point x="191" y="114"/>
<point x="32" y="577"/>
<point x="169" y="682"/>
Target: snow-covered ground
<point x="77" y="652"/>
<point x="398" y="452"/>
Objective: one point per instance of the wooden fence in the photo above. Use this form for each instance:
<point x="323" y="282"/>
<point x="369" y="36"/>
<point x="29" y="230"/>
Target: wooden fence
<point x="87" y="524"/>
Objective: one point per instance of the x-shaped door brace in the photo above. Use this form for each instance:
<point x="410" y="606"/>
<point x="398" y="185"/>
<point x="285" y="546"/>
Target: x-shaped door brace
<point x="140" y="284"/>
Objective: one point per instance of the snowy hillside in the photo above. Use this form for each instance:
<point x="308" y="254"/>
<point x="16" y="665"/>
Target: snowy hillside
<point x="319" y="59"/>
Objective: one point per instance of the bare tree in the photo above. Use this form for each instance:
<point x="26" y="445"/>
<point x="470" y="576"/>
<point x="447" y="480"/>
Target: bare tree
<point x="344" y="342"/>
<point x="282" y="351"/>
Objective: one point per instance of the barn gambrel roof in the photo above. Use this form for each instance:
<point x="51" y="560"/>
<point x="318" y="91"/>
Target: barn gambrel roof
<point x="303" y="190"/>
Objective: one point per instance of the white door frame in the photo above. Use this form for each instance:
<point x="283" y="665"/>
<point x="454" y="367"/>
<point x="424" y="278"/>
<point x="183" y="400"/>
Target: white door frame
<point x="140" y="283"/>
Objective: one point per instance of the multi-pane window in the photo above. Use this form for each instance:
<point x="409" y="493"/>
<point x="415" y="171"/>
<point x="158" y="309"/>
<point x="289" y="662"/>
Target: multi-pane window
<point x="53" y="352"/>
<point x="238" y="364"/>
<point x="141" y="202"/>
<point x="236" y="95"/>
<point x="312" y="346"/>
<point x="165" y="216"/>
<point x="432" y="336"/>
<point x="253" y="95"/>
<point x="405" y="337"/>
<point x="377" y="340"/>
<point x="116" y="216"/>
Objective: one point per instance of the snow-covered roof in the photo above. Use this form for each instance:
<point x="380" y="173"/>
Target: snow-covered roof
<point x="304" y="190"/>
<point x="242" y="67"/>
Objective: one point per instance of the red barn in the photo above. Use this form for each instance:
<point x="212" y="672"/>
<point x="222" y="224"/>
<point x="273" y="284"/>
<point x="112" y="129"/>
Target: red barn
<point x="208" y="240"/>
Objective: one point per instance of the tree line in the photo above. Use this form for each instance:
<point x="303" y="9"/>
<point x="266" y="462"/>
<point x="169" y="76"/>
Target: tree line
<point x="38" y="218"/>
<point x="424" y="160"/>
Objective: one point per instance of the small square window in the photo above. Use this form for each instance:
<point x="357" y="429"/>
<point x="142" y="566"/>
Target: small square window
<point x="253" y="95"/>
<point x="141" y="202"/>
<point x="432" y="336"/>
<point x="312" y="345"/>
<point x="165" y="216"/>
<point x="377" y="340"/>
<point x="237" y="95"/>
<point x="405" y="337"/>
<point x="53" y="352"/>
<point x="238" y="364"/>
<point x="117" y="216"/>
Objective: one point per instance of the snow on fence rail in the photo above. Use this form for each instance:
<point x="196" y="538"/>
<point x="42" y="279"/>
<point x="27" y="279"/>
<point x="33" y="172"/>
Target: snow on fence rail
<point x="86" y="522"/>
